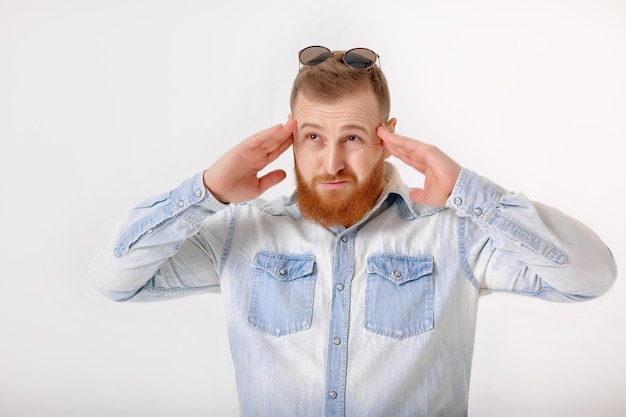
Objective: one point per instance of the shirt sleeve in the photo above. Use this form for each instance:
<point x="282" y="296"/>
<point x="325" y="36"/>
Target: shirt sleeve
<point x="509" y="243"/>
<point x="157" y="253"/>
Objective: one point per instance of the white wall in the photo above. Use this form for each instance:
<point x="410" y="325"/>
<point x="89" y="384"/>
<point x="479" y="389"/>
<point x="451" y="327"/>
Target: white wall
<point x="106" y="102"/>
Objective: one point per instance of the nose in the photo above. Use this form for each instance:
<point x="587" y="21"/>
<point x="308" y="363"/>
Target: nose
<point x="335" y="158"/>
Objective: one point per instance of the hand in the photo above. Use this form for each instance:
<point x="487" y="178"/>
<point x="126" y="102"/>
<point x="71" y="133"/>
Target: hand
<point x="441" y="171"/>
<point x="233" y="178"/>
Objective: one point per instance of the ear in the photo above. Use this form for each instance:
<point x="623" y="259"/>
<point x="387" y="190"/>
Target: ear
<point x="391" y="127"/>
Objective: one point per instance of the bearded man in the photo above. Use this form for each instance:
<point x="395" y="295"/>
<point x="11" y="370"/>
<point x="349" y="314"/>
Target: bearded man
<point x="357" y="295"/>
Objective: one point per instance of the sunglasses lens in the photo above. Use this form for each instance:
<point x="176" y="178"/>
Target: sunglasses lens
<point x="314" y="55"/>
<point x="360" y="58"/>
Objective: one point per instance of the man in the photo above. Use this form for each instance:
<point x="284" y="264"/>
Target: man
<point x="356" y="296"/>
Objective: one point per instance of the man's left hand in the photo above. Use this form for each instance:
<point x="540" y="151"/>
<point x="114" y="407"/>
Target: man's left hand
<point x="439" y="170"/>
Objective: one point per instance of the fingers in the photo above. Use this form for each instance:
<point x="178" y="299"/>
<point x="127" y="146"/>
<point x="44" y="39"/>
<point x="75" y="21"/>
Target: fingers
<point x="440" y="171"/>
<point x="273" y="137"/>
<point x="233" y="177"/>
<point x="265" y="146"/>
<point x="409" y="151"/>
<point x="274" y="141"/>
<point x="398" y="144"/>
<point x="282" y="147"/>
<point x="415" y="153"/>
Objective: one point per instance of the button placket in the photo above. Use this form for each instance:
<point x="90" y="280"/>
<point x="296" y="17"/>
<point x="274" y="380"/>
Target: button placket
<point x="343" y="269"/>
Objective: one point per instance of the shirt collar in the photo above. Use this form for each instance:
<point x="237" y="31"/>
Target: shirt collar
<point x="396" y="192"/>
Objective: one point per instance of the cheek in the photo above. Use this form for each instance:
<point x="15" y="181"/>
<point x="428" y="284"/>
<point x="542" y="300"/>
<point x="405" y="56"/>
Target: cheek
<point x="306" y="164"/>
<point x="364" y="166"/>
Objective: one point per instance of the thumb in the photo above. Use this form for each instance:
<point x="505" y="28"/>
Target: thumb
<point x="418" y="195"/>
<point x="271" y="179"/>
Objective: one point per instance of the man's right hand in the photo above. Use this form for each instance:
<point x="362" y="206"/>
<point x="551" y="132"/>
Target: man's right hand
<point x="233" y="178"/>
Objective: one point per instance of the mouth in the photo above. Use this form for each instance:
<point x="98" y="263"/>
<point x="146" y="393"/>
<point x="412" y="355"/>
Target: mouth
<point x="333" y="185"/>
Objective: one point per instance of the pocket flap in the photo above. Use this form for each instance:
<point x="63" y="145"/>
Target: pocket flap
<point x="400" y="269"/>
<point x="285" y="267"/>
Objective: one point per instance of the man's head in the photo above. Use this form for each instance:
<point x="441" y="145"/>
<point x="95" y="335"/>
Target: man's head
<point x="332" y="79"/>
<point x="338" y="156"/>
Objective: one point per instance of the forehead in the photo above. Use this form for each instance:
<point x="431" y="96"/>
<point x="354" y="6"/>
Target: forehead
<point x="355" y="108"/>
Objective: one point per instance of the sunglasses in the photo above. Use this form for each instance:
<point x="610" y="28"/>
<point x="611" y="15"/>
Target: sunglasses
<point x="357" y="58"/>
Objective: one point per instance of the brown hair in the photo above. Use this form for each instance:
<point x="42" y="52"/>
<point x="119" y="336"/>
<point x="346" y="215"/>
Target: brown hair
<point x="332" y="79"/>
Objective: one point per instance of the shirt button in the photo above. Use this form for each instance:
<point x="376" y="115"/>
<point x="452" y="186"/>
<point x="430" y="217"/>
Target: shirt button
<point x="332" y="395"/>
<point x="282" y="271"/>
<point x="340" y="287"/>
<point x="198" y="193"/>
<point x="458" y="201"/>
<point x="397" y="274"/>
<point x="478" y="211"/>
<point x="181" y="203"/>
<point x="344" y="239"/>
<point x="336" y="341"/>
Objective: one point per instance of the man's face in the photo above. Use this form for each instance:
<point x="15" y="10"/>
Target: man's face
<point x="338" y="157"/>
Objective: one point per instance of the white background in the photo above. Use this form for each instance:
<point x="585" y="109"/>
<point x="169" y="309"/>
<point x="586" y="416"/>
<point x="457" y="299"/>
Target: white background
<point x="104" y="103"/>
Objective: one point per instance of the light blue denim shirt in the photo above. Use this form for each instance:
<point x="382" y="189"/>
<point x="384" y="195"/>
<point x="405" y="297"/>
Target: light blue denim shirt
<point x="374" y="320"/>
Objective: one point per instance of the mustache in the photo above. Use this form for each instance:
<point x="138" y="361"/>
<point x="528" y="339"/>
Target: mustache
<point x="348" y="176"/>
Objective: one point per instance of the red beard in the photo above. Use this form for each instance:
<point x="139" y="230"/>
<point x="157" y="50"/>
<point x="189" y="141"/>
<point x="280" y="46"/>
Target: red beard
<point x="337" y="207"/>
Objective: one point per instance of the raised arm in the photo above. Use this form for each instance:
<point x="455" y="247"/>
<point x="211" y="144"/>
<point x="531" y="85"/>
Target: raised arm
<point x="508" y="242"/>
<point x="157" y="253"/>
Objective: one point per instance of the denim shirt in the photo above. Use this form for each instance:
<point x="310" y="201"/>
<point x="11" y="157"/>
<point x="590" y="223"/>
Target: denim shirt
<point x="374" y="320"/>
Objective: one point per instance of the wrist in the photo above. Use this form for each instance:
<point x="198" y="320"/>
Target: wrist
<point x="206" y="179"/>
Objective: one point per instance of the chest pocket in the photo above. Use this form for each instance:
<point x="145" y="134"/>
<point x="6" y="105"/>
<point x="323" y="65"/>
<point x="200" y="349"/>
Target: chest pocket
<point x="399" y="295"/>
<point x="282" y="292"/>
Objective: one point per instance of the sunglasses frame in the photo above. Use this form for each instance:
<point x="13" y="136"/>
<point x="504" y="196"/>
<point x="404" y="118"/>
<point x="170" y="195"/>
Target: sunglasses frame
<point x="376" y="57"/>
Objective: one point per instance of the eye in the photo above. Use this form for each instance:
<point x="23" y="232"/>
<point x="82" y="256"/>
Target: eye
<point x="353" y="142"/>
<point x="312" y="140"/>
